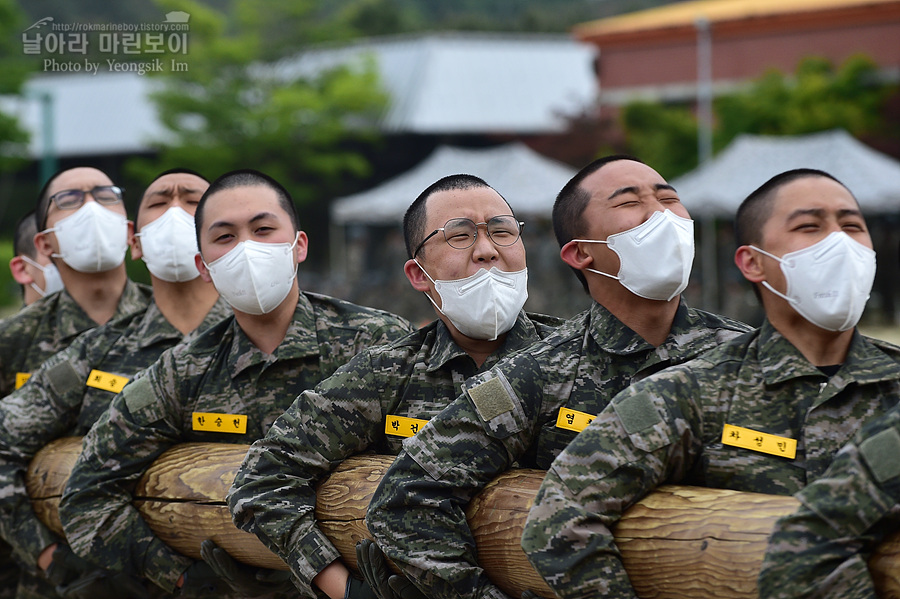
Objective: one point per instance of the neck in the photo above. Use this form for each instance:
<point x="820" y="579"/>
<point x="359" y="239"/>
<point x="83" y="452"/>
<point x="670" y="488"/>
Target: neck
<point x="477" y="349"/>
<point x="267" y="331"/>
<point x="819" y="346"/>
<point x="650" y="319"/>
<point x="184" y="305"/>
<point x="97" y="293"/>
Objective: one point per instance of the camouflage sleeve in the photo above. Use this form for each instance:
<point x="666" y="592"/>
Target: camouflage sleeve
<point x="96" y="512"/>
<point x="274" y="492"/>
<point x="635" y="444"/>
<point x="44" y="409"/>
<point x="822" y="549"/>
<point x="418" y="512"/>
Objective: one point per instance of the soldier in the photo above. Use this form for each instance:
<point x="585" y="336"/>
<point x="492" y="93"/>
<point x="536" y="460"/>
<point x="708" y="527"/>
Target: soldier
<point x="34" y="272"/>
<point x="228" y="385"/>
<point x="764" y="412"/>
<point x="84" y="231"/>
<point x="619" y="222"/>
<point x="477" y="283"/>
<point x="822" y="549"/>
<point x="71" y="389"/>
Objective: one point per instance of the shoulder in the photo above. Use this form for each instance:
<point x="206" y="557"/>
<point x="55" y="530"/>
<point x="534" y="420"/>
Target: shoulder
<point x="333" y="312"/>
<point x="724" y="327"/>
<point x="544" y="324"/>
<point x="887" y="347"/>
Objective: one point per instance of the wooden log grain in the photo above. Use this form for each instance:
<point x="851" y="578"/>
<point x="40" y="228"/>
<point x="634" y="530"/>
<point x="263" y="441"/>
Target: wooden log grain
<point x="679" y="542"/>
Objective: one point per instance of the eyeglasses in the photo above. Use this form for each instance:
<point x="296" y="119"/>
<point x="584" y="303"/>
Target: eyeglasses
<point x="460" y="233"/>
<point x="74" y="198"/>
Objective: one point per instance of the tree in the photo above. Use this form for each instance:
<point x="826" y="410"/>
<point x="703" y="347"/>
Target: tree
<point x="230" y="109"/>
<point x="816" y="98"/>
<point x="14" y="70"/>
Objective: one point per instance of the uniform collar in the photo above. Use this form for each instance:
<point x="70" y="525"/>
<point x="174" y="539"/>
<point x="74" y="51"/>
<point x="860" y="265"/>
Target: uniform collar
<point x="445" y="348"/>
<point x="72" y="320"/>
<point x="688" y="334"/>
<point x="300" y="341"/>
<point x="155" y="328"/>
<point x="780" y="360"/>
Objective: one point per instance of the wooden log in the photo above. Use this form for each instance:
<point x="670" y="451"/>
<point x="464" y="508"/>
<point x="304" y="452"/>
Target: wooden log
<point x="678" y="542"/>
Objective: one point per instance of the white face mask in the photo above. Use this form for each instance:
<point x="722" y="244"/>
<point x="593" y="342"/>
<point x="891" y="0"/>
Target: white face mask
<point x="52" y="280"/>
<point x="828" y="283"/>
<point x="484" y="305"/>
<point x="92" y="239"/>
<point x="655" y="258"/>
<point x="169" y="245"/>
<point x="255" y="277"/>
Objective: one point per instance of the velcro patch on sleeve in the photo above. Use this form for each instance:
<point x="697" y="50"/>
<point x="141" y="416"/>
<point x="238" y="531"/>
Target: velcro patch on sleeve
<point x="637" y="413"/>
<point x="62" y="377"/>
<point x="139" y="394"/>
<point x="881" y="452"/>
<point x="491" y="398"/>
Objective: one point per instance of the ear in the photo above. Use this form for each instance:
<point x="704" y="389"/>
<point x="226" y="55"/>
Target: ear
<point x="572" y="255"/>
<point x="301" y="249"/>
<point x="19" y="272"/>
<point x="204" y="272"/>
<point x="749" y="262"/>
<point x="416" y="276"/>
<point x="137" y="252"/>
<point x="42" y="243"/>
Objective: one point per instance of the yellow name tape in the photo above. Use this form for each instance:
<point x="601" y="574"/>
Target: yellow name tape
<point x="22" y="378"/>
<point x="219" y="423"/>
<point x="106" y="381"/>
<point x="573" y="420"/>
<point x="401" y="426"/>
<point x="747" y="438"/>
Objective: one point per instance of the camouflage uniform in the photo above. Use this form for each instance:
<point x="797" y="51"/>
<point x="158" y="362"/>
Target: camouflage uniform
<point x="27" y="339"/>
<point x="38" y="331"/>
<point x="676" y="428"/>
<point x="822" y="549"/>
<point x="60" y="400"/>
<point x="508" y="416"/>
<point x="274" y="494"/>
<point x="220" y="373"/>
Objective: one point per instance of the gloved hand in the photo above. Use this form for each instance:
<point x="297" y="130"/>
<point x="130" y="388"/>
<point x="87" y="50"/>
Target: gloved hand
<point x="104" y="584"/>
<point x="358" y="589"/>
<point x="248" y="581"/>
<point x="386" y="585"/>
<point x="200" y="580"/>
<point x="66" y="566"/>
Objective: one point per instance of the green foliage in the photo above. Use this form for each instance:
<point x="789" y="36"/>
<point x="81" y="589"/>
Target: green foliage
<point x="664" y="136"/>
<point x="10" y="293"/>
<point x="14" y="69"/>
<point x="230" y="110"/>
<point x="817" y="97"/>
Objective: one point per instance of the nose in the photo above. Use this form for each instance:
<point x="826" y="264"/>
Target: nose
<point x="484" y="249"/>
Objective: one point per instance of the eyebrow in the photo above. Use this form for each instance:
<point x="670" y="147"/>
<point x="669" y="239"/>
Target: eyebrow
<point x="820" y="213"/>
<point x="225" y="224"/>
<point x="633" y="189"/>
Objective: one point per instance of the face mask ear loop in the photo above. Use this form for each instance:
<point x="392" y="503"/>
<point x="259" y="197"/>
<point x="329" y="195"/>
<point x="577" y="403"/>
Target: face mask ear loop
<point x="433" y="303"/>
<point x="766" y="283"/>
<point x="593" y="270"/>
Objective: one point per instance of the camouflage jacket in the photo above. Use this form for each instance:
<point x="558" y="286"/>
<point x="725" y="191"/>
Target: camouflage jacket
<point x="372" y="403"/>
<point x="35" y="333"/>
<point x="823" y="548"/>
<point x="219" y="378"/>
<point x="65" y="396"/>
<point x="516" y="413"/>
<point x="753" y="415"/>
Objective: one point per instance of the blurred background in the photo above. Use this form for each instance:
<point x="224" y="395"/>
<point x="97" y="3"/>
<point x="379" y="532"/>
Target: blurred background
<point x="357" y="105"/>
